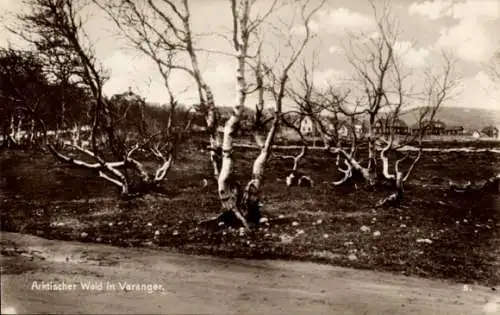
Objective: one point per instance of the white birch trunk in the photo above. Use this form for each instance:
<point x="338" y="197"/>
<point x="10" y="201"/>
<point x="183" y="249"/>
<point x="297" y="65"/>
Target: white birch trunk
<point x="228" y="190"/>
<point x="32" y="131"/>
<point x="215" y="142"/>
<point x="57" y="135"/>
<point x="207" y="96"/>
<point x="251" y="198"/>
<point x="11" y="137"/>
<point x="76" y="135"/>
<point x="12" y="131"/>
<point x="18" y="129"/>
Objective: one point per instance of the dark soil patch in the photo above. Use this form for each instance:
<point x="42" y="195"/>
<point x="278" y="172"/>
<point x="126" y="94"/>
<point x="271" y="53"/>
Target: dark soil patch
<point x="435" y="233"/>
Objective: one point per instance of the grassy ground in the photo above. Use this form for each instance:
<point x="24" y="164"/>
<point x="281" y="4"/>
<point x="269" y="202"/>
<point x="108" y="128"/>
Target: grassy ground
<point x="435" y="233"/>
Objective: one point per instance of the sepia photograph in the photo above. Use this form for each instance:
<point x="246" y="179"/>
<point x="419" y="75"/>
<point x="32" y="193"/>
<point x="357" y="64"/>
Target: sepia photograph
<point x="250" y="157"/>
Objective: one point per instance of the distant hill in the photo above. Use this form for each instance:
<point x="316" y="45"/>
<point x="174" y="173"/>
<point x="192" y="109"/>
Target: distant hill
<point x="469" y="118"/>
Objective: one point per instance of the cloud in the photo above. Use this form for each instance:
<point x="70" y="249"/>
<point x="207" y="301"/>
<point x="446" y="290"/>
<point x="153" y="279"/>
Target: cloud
<point x="126" y="70"/>
<point x="477" y="9"/>
<point x="338" y="21"/>
<point x="8" y="11"/>
<point x="324" y="78"/>
<point x="411" y="56"/>
<point x="479" y="91"/>
<point x="7" y="7"/>
<point x="433" y="10"/>
<point x="223" y="72"/>
<point x="300" y="30"/>
<point x="221" y="77"/>
<point x="469" y="36"/>
<point x="343" y="19"/>
<point x="368" y="37"/>
<point x="137" y="71"/>
<point x="334" y="49"/>
<point x="489" y="85"/>
<point x="469" y="39"/>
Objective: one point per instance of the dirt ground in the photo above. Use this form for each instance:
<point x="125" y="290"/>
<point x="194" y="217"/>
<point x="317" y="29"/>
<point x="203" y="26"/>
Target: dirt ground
<point x="435" y="233"/>
<point x="209" y="285"/>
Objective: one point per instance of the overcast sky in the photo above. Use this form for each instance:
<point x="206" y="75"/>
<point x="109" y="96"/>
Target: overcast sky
<point x="468" y="28"/>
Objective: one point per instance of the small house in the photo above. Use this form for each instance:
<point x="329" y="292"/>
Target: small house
<point x="384" y="127"/>
<point x="454" y="130"/>
<point x="379" y="127"/>
<point x="343" y="131"/>
<point x="307" y="126"/>
<point x="400" y="127"/>
<point x="476" y="134"/>
<point x="490" y="131"/>
<point x="360" y="130"/>
<point x="434" y="128"/>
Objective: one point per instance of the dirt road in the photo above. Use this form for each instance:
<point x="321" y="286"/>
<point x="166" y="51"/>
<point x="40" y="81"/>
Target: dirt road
<point x="182" y="284"/>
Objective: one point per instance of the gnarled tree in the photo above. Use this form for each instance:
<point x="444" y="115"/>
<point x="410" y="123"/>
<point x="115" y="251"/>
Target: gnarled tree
<point x="56" y="25"/>
<point x="23" y="89"/>
<point x="368" y="107"/>
<point x="438" y="89"/>
<point x="156" y="28"/>
<point x="389" y="91"/>
<point x="162" y="30"/>
<point x="246" y="208"/>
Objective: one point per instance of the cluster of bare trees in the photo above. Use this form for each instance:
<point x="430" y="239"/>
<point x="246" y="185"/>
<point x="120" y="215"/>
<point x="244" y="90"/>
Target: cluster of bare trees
<point x="174" y="49"/>
<point x="122" y="130"/>
<point x="382" y="90"/>
<point x="163" y="32"/>
<point x="120" y="127"/>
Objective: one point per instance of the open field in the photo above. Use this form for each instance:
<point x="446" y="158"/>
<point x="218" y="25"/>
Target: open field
<point x="435" y="233"/>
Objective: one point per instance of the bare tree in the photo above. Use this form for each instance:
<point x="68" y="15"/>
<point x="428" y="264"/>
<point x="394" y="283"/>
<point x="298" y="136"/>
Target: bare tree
<point x="381" y="91"/>
<point x="325" y="109"/>
<point x="492" y="183"/>
<point x="246" y="208"/>
<point x="304" y="96"/>
<point x="376" y="68"/>
<point x="438" y="89"/>
<point x="23" y="86"/>
<point x="56" y="25"/>
<point x="163" y="32"/>
<point x="328" y="110"/>
<point x="388" y="92"/>
<point x="157" y="28"/>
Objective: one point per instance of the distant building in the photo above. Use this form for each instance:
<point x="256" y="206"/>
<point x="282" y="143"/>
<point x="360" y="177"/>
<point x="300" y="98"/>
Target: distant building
<point x="454" y="130"/>
<point x="310" y="126"/>
<point x="340" y="127"/>
<point x="360" y="130"/>
<point x="434" y="128"/>
<point x="379" y="127"/>
<point x="476" y="134"/>
<point x="343" y="131"/>
<point x="307" y="126"/>
<point x="490" y="131"/>
<point x="400" y="127"/>
<point x="384" y="127"/>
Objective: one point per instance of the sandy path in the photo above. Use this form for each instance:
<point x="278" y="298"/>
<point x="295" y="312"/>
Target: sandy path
<point x="207" y="285"/>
